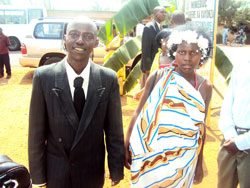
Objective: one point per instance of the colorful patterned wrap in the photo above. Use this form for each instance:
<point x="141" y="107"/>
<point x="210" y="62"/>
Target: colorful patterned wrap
<point x="167" y="135"/>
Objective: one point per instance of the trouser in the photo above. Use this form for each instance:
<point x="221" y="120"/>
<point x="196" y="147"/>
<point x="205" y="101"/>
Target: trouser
<point x="224" y="39"/>
<point x="5" y="61"/>
<point x="233" y="169"/>
<point x="241" y="39"/>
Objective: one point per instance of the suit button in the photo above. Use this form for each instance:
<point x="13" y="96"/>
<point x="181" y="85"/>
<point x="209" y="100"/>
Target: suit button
<point x="59" y="140"/>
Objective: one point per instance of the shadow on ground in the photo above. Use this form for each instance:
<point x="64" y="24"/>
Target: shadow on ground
<point x="28" y="77"/>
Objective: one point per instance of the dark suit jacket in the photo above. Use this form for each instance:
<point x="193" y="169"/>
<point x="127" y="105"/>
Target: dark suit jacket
<point x="149" y="45"/>
<point x="66" y="152"/>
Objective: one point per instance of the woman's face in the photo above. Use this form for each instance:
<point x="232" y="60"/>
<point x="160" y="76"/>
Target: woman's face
<point x="164" y="42"/>
<point x="187" y="57"/>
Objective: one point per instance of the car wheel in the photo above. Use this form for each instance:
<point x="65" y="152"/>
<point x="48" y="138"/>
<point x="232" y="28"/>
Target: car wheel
<point x="52" y="60"/>
<point x="14" y="44"/>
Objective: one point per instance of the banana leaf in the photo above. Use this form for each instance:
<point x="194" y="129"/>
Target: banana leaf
<point x="223" y="64"/>
<point x="123" y="54"/>
<point x="127" y="17"/>
<point x="132" y="78"/>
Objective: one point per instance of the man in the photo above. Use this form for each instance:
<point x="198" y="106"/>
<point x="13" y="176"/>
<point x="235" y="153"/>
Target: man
<point x="4" y="55"/>
<point x="139" y="29"/>
<point x="149" y="44"/>
<point x="178" y="18"/>
<point x="66" y="146"/>
<point x="234" y="154"/>
<point x="224" y="35"/>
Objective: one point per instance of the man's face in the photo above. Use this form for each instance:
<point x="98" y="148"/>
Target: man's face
<point x="161" y="15"/>
<point x="80" y="41"/>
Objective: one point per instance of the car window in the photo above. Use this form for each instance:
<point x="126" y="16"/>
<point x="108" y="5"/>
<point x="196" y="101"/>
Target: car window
<point x="49" y="31"/>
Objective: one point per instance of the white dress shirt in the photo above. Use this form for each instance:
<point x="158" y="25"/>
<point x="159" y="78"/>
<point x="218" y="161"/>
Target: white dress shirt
<point x="158" y="24"/>
<point x="72" y="75"/>
<point x="236" y="106"/>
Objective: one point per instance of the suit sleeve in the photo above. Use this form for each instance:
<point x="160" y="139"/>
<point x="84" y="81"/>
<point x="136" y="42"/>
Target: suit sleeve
<point x="146" y="50"/>
<point x="37" y="133"/>
<point x="114" y="133"/>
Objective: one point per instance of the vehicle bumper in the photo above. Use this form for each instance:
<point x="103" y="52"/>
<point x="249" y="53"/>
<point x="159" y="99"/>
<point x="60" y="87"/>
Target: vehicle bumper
<point x="29" y="62"/>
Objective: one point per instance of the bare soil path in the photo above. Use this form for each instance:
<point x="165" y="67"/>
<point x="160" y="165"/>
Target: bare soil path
<point x="14" y="104"/>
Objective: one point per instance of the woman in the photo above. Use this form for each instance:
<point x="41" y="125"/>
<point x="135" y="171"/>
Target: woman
<point x="165" y="136"/>
<point x="161" y="59"/>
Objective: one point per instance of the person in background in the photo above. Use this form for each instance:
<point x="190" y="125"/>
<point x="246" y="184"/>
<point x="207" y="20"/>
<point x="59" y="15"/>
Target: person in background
<point x="242" y="33"/>
<point x="162" y="59"/>
<point x="149" y="45"/>
<point x="73" y="104"/>
<point x="165" y="138"/>
<point x="234" y="154"/>
<point x="178" y="18"/>
<point x="139" y="29"/>
<point x="4" y="55"/>
<point x="225" y="35"/>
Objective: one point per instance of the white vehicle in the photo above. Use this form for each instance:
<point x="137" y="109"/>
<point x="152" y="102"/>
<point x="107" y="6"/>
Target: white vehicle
<point x="44" y="43"/>
<point x="15" y="20"/>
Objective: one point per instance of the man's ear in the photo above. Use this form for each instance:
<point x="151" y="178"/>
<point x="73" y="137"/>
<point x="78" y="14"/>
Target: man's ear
<point x="96" y="43"/>
<point x="64" y="42"/>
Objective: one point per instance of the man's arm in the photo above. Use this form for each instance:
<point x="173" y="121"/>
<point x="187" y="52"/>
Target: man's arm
<point x="146" y="49"/>
<point x="114" y="134"/>
<point x="7" y="41"/>
<point x="37" y="133"/>
<point x="226" y="123"/>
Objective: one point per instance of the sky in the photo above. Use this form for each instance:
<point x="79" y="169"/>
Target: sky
<point x="73" y="4"/>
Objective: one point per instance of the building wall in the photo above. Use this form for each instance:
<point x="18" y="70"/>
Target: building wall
<point x="97" y="15"/>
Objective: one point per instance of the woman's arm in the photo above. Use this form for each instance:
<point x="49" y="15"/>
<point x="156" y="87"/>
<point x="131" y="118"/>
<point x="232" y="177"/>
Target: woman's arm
<point x="135" y="115"/>
<point x="206" y="92"/>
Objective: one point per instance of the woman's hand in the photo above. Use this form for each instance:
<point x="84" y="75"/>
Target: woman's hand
<point x="198" y="173"/>
<point x="127" y="155"/>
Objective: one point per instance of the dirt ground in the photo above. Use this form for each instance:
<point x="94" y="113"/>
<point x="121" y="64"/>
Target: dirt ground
<point x="14" y="103"/>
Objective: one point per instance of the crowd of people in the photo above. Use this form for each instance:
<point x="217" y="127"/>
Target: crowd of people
<point x="75" y="114"/>
<point x="238" y="37"/>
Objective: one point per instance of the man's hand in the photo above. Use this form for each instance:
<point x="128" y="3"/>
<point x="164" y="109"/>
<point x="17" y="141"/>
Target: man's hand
<point x="231" y="147"/>
<point x="114" y="183"/>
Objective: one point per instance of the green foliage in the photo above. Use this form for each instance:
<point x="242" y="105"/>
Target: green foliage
<point x="234" y="13"/>
<point x="132" y="78"/>
<point x="5" y="2"/>
<point x="127" y="17"/>
<point x="123" y="54"/>
<point x="223" y="64"/>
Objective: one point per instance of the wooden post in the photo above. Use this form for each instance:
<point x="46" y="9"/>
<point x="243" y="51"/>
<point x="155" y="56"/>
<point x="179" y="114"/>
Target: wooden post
<point x="213" y="59"/>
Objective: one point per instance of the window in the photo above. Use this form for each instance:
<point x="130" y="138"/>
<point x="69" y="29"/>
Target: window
<point x="49" y="31"/>
<point x="34" y="14"/>
<point x="13" y="17"/>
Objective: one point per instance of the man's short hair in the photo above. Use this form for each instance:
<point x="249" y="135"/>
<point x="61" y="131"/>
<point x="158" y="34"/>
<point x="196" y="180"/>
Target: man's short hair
<point x="178" y="18"/>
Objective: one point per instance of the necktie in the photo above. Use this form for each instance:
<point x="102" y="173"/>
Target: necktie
<point x="79" y="97"/>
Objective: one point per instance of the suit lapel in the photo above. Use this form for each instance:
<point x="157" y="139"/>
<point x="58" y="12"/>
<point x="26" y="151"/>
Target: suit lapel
<point x="157" y="29"/>
<point x="95" y="92"/>
<point x="62" y="92"/>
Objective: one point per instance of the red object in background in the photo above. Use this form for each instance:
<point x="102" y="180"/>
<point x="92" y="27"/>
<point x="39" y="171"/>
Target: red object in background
<point x="23" y="49"/>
